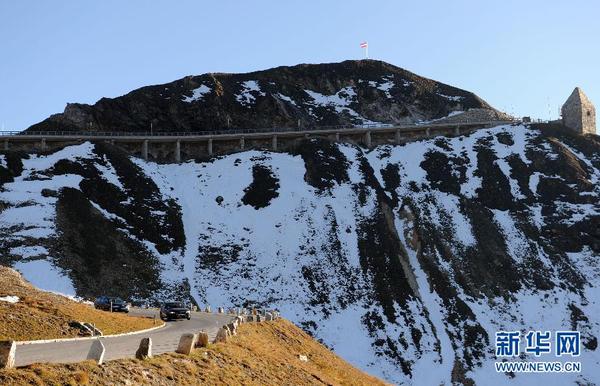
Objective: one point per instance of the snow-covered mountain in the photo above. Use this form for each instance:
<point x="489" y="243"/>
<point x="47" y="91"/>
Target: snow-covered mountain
<point x="354" y="92"/>
<point x="405" y="260"/>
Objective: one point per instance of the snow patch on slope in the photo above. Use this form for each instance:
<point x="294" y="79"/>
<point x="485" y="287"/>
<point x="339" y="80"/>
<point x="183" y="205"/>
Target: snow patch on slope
<point x="454" y="98"/>
<point x="250" y="88"/>
<point x="385" y="85"/>
<point x="9" y="299"/>
<point x="197" y="94"/>
<point x="340" y="102"/>
<point x="435" y="368"/>
<point x="29" y="251"/>
<point x="108" y="172"/>
<point x="43" y="274"/>
<point x="285" y="98"/>
<point x="30" y="212"/>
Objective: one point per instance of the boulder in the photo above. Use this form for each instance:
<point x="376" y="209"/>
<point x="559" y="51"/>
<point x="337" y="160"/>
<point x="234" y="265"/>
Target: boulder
<point x="186" y="344"/>
<point x="145" y="349"/>
<point x="8" y="349"/>
<point x="207" y="309"/>
<point x="202" y="339"/>
<point x="97" y="351"/>
<point x="49" y="193"/>
<point x="220" y="310"/>
<point x="268" y="317"/>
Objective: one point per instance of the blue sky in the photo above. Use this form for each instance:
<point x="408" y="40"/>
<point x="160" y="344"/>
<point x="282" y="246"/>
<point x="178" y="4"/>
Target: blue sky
<point x="524" y="57"/>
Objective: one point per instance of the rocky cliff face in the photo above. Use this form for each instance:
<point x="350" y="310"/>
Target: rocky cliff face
<point x="405" y="260"/>
<point x="347" y="93"/>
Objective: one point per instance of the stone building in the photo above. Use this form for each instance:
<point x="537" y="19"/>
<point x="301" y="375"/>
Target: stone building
<point x="578" y="113"/>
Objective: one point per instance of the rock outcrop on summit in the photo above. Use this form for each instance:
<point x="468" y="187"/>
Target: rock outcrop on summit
<point x="348" y="93"/>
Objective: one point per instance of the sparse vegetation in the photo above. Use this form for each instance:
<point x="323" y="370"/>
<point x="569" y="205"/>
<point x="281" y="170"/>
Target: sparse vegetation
<point x="268" y="353"/>
<point x="43" y="315"/>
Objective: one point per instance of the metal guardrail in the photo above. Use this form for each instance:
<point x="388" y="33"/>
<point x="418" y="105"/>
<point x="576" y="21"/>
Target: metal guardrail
<point x="85" y="134"/>
<point x="167" y="133"/>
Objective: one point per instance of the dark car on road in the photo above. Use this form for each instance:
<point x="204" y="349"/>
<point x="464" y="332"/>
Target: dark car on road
<point x="106" y="302"/>
<point x="174" y="310"/>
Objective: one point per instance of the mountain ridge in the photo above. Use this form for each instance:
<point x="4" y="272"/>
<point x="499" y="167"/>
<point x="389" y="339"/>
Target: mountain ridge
<point x="346" y="93"/>
<point x="420" y="251"/>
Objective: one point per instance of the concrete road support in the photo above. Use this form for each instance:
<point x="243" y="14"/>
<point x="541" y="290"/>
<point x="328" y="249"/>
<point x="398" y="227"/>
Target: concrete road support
<point x="7" y="354"/>
<point x="210" y="146"/>
<point x="6" y="144"/>
<point x="178" y="151"/>
<point x="145" y="349"/>
<point x="398" y="136"/>
<point x="43" y="144"/>
<point x="274" y="143"/>
<point x="368" y="139"/>
<point x="242" y="143"/>
<point x="145" y="150"/>
<point x="186" y="344"/>
<point x="97" y="352"/>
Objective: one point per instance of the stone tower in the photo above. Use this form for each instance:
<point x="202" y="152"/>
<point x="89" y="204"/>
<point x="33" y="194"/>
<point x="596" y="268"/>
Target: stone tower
<point x="579" y="114"/>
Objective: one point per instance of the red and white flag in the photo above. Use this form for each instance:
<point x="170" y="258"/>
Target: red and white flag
<point x="364" y="45"/>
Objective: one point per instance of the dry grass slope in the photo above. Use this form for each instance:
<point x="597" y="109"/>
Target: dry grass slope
<point x="261" y="354"/>
<point x="43" y="315"/>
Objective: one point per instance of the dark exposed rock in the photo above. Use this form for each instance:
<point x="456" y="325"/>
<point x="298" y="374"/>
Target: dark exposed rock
<point x="89" y="246"/>
<point x="49" y="193"/>
<point x="263" y="188"/>
<point x="140" y="203"/>
<point x="14" y="166"/>
<point x="441" y="172"/>
<point x="276" y="97"/>
<point x="495" y="190"/>
<point x="325" y="163"/>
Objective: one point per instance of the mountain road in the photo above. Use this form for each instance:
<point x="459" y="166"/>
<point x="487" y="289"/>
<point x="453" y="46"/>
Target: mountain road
<point x="165" y="339"/>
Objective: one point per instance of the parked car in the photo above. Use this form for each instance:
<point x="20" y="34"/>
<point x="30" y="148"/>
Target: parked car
<point x="174" y="310"/>
<point x="105" y="302"/>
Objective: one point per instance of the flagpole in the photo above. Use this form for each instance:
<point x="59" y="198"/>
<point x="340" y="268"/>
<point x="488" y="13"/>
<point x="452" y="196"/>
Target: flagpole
<point x="365" y="45"/>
